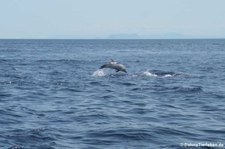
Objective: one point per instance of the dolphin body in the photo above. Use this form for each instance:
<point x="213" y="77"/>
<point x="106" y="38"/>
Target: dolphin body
<point x="114" y="65"/>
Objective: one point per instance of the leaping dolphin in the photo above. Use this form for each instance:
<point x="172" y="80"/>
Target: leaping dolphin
<point x="114" y="65"/>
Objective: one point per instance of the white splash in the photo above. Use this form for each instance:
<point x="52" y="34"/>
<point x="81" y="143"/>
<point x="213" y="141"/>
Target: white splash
<point x="149" y="74"/>
<point x="99" y="73"/>
<point x="168" y="75"/>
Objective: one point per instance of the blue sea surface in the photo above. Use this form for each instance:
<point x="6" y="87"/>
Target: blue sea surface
<point x="53" y="95"/>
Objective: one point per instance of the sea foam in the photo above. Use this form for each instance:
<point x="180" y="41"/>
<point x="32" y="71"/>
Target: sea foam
<point x="99" y="73"/>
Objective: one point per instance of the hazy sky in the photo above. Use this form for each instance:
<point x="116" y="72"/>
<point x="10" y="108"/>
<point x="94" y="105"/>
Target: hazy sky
<point x="101" y="18"/>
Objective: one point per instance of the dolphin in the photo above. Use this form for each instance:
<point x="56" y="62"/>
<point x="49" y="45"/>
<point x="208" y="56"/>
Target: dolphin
<point x="114" y="65"/>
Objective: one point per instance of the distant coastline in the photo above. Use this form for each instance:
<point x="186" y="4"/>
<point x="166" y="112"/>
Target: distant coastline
<point x="209" y="38"/>
<point x="125" y="36"/>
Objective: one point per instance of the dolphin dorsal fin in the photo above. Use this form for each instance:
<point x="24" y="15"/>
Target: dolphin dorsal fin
<point x="112" y="60"/>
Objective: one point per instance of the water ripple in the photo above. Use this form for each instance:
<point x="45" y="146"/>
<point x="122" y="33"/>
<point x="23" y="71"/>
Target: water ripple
<point x="53" y="96"/>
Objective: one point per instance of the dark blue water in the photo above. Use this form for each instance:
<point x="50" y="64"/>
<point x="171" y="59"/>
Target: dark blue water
<point x="52" y="95"/>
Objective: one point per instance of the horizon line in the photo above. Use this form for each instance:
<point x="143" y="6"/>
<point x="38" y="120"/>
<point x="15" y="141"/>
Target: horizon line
<point x="200" y="38"/>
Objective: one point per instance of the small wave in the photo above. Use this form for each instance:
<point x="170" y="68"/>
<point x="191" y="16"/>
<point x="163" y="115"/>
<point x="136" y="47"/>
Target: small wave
<point x="168" y="75"/>
<point x="185" y="89"/>
<point x="122" y="134"/>
<point x="31" y="138"/>
<point x="148" y="74"/>
<point x="108" y="97"/>
<point x="160" y="73"/>
<point x="99" y="73"/>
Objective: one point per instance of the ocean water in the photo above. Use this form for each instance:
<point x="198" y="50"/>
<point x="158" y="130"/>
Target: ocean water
<point x="53" y="95"/>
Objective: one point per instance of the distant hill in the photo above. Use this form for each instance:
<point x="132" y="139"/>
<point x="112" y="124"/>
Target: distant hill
<point x="123" y="36"/>
<point x="149" y="36"/>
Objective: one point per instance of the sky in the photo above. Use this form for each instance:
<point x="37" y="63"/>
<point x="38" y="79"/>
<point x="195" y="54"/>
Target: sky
<point x="91" y="19"/>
